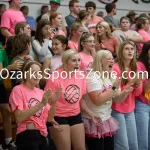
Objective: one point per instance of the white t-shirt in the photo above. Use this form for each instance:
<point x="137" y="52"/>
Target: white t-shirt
<point x="94" y="83"/>
<point x="122" y="35"/>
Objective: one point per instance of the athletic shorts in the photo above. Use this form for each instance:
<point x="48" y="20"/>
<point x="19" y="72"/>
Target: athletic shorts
<point x="72" y="120"/>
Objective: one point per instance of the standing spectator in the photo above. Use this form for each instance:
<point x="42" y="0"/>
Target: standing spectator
<point x="11" y="17"/>
<point x="74" y="7"/>
<point x="91" y="8"/>
<point x="131" y="15"/>
<point x="100" y="14"/>
<point x="111" y="11"/>
<point x="104" y="38"/>
<point x="126" y="136"/>
<point x="76" y="30"/>
<point x="44" y="10"/>
<point x="2" y="10"/>
<point x="84" y="17"/>
<point x="5" y="60"/>
<point x="125" y="33"/>
<point x="142" y="27"/>
<point x="142" y="107"/>
<point x="30" y="20"/>
<point x="54" y="4"/>
<point x="56" y="21"/>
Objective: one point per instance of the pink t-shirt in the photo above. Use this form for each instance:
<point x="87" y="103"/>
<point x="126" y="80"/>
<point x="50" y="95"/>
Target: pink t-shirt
<point x="86" y="62"/>
<point x="128" y="104"/>
<point x="73" y="88"/>
<point x="73" y="45"/>
<point x="145" y="36"/>
<point x="111" y="44"/>
<point x="142" y="97"/>
<point x="23" y="98"/>
<point x="10" y="18"/>
<point x="92" y="23"/>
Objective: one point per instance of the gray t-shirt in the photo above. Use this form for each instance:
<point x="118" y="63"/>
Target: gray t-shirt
<point x="111" y="20"/>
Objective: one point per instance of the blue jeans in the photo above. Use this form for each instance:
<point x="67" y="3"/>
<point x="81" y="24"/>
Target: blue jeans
<point x="126" y="136"/>
<point x="142" y="115"/>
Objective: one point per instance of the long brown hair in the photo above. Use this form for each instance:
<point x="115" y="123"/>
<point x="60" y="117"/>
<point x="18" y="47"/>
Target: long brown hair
<point x="120" y="60"/>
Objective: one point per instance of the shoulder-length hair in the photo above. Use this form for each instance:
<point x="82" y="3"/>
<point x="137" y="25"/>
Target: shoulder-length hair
<point x="38" y="34"/>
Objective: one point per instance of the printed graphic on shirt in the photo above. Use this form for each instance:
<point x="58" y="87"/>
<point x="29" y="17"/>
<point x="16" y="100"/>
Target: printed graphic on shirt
<point x="33" y="102"/>
<point x="72" y="94"/>
<point x="108" y="1"/>
<point x="104" y="90"/>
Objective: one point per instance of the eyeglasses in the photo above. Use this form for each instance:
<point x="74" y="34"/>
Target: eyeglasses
<point x="90" y="41"/>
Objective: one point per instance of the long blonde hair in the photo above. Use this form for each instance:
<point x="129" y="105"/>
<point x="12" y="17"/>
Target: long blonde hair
<point x="97" y="63"/>
<point x="107" y="27"/>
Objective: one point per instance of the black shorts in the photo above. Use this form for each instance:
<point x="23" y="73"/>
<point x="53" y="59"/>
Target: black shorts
<point x="31" y="140"/>
<point x="67" y="120"/>
<point x="3" y="98"/>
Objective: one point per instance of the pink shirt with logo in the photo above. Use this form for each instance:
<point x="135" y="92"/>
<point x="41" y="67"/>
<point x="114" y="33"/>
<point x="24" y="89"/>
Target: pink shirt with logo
<point x="128" y="104"/>
<point x="86" y="62"/>
<point x="73" y="88"/>
<point x="10" y="18"/>
<point x="23" y="98"/>
<point x="92" y="23"/>
<point x="146" y="37"/>
<point x="142" y="97"/>
<point x="73" y="45"/>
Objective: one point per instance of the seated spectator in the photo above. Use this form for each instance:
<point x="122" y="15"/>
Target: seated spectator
<point x="91" y="8"/>
<point x="44" y="10"/>
<point x="42" y="43"/>
<point x="30" y="20"/>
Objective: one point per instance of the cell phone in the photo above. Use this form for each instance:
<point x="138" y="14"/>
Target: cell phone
<point x="55" y="30"/>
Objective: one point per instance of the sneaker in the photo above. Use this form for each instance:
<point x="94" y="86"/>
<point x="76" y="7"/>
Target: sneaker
<point x="11" y="146"/>
<point x="1" y="147"/>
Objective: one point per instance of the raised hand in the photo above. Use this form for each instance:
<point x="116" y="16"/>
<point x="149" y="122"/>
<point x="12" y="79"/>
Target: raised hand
<point x="128" y="89"/>
<point x="117" y="83"/>
<point x="17" y="65"/>
<point x="46" y="97"/>
<point x="56" y="95"/>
